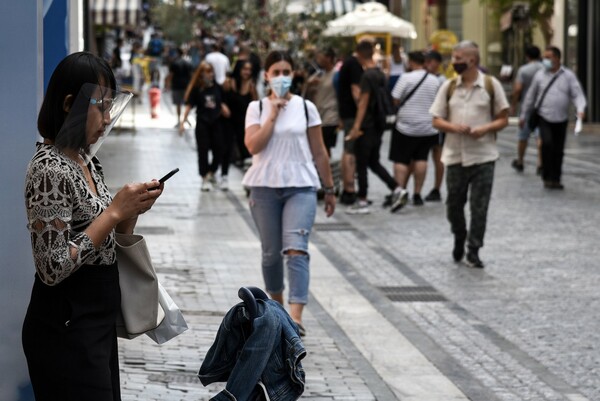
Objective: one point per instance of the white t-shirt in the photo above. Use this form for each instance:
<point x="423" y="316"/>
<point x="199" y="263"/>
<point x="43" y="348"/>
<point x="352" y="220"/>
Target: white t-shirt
<point x="287" y="160"/>
<point x="220" y="63"/>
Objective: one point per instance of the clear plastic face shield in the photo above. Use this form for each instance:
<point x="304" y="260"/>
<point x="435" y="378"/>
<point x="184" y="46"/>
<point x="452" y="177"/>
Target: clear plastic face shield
<point x="91" y="116"/>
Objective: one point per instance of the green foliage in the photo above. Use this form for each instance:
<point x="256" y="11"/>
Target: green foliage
<point x="272" y="25"/>
<point x="540" y="12"/>
<point x="175" y="22"/>
<point x="537" y="8"/>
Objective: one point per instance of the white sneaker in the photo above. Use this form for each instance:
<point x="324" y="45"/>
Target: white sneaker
<point x="213" y="180"/>
<point x="224" y="185"/>
<point x="399" y="199"/>
<point x="205" y="185"/>
<point x="359" y="207"/>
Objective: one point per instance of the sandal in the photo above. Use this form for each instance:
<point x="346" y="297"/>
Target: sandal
<point x="301" y="329"/>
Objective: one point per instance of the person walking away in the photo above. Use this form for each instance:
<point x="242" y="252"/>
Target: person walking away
<point x="522" y="82"/>
<point x="180" y="73"/>
<point x="283" y="133"/>
<point x="470" y="109"/>
<point x="348" y="93"/>
<point x="413" y="135"/>
<point x="397" y="65"/>
<point x="367" y="130"/>
<point x="239" y="91"/>
<point x="69" y="331"/>
<point x="433" y="64"/>
<point x="219" y="62"/>
<point x="322" y="92"/>
<point x="206" y="96"/>
<point x="562" y="87"/>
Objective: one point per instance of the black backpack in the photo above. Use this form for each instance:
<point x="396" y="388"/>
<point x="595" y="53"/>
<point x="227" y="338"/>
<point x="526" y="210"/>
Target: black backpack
<point x="383" y="107"/>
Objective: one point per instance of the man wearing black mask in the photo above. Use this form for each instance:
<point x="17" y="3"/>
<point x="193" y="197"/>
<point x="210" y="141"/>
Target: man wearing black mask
<point x="470" y="109"/>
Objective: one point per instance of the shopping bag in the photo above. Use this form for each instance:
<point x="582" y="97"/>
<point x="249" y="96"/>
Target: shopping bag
<point x="140" y="310"/>
<point x="173" y="323"/>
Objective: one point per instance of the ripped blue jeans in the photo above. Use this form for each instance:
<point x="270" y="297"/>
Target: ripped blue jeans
<point x="284" y="218"/>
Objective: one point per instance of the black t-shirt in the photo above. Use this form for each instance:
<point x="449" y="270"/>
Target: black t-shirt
<point x="349" y="75"/>
<point x="181" y="71"/>
<point x="207" y="102"/>
<point x="372" y="79"/>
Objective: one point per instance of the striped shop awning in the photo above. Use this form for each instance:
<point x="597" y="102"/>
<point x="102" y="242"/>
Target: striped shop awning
<point x="116" y="12"/>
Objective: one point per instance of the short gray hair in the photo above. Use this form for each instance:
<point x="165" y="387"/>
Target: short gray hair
<point x="468" y="45"/>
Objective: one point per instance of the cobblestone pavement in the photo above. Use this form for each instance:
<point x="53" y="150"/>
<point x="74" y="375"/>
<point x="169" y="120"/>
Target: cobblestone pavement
<point x="523" y="328"/>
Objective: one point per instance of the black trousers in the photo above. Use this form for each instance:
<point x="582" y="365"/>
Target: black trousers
<point x="475" y="181"/>
<point x="228" y="143"/>
<point x="553" y="149"/>
<point x="366" y="151"/>
<point x="69" y="336"/>
<point x="209" y="139"/>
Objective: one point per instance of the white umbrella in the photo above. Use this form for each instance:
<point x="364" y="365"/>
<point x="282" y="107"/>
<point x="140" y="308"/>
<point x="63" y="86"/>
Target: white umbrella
<point x="370" y="17"/>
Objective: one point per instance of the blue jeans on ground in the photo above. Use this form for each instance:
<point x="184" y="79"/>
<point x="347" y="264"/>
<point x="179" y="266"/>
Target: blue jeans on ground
<point x="284" y="218"/>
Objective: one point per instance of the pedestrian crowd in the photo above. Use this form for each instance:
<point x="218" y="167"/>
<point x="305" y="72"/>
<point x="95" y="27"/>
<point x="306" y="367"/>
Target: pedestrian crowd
<point x="450" y="119"/>
<point x="289" y="134"/>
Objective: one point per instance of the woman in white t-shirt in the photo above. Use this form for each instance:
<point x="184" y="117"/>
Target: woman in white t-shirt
<point x="283" y="133"/>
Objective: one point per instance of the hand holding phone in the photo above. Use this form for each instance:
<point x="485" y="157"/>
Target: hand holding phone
<point x="165" y="178"/>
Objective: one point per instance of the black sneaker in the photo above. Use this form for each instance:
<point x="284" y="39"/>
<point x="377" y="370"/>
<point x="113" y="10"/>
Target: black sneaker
<point x="517" y="166"/>
<point x="459" y="248"/>
<point x="387" y="201"/>
<point x="417" y="200"/>
<point x="347" y="198"/>
<point x="473" y="259"/>
<point x="434" y="196"/>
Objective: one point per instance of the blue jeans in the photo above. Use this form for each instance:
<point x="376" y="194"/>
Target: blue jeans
<point x="284" y="218"/>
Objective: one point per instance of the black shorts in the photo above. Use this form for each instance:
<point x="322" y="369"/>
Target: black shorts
<point x="348" y="145"/>
<point x="329" y="136"/>
<point x="405" y="148"/>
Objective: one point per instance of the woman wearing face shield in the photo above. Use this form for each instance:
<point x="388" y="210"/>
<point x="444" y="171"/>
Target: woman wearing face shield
<point x="283" y="133"/>
<point x="69" y="334"/>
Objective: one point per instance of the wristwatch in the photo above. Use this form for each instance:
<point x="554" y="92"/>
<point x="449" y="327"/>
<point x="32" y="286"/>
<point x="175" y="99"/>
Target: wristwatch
<point x="329" y="190"/>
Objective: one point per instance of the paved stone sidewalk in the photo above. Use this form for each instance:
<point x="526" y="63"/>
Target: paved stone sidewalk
<point x="203" y="251"/>
<point x="523" y="329"/>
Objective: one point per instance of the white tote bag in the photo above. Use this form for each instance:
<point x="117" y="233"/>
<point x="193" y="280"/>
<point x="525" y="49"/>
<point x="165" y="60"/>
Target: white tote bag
<point x="140" y="310"/>
<point x="173" y="323"/>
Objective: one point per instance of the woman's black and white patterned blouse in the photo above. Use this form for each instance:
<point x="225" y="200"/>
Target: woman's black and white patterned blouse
<point x="60" y="206"/>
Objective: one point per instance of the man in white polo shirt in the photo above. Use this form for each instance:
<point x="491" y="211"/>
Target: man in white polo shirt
<point x="470" y="109"/>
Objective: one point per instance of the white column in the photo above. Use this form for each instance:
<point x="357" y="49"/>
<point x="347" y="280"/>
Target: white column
<point x="76" y="34"/>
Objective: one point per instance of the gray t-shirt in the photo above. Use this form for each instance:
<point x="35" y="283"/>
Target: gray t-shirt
<point x="525" y="75"/>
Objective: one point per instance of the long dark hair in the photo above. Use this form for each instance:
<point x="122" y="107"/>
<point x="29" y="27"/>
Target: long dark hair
<point x="68" y="77"/>
<point x="277" y="56"/>
<point x="197" y="80"/>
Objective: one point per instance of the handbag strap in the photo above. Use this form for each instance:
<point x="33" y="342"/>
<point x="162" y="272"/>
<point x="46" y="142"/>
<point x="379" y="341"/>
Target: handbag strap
<point x="546" y="89"/>
<point x="414" y="89"/>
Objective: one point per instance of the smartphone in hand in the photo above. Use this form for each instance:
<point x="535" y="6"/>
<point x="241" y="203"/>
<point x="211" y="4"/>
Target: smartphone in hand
<point x="165" y="178"/>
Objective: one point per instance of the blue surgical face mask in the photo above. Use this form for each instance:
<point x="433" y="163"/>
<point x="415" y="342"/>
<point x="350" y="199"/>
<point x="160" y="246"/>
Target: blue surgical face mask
<point x="280" y="85"/>
<point x="547" y="63"/>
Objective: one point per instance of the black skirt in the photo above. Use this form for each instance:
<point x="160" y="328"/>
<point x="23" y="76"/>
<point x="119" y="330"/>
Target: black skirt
<point x="70" y="339"/>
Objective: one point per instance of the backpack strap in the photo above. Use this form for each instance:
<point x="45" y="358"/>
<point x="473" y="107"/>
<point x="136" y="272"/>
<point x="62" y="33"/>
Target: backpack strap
<point x="305" y="113"/>
<point x="489" y="87"/>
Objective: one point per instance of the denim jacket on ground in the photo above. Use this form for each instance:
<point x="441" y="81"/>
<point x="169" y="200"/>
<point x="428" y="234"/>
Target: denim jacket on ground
<point x="271" y="353"/>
